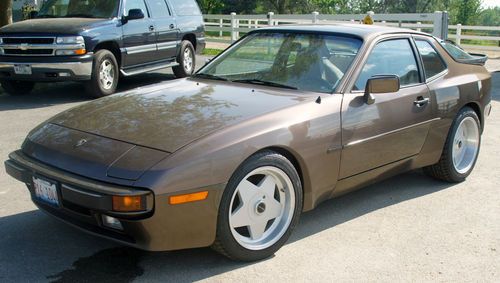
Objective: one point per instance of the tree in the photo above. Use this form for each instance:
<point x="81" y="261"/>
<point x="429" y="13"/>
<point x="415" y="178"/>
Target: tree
<point x="468" y="11"/>
<point x="5" y="12"/>
<point x="211" y="6"/>
<point x="239" y="7"/>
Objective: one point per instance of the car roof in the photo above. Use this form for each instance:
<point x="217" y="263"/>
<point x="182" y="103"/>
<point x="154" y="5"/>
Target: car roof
<point x="358" y="30"/>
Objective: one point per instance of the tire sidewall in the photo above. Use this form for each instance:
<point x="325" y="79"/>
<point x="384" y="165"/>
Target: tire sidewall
<point x="99" y="58"/>
<point x="231" y="246"/>
<point x="464" y="113"/>
<point x="180" y="72"/>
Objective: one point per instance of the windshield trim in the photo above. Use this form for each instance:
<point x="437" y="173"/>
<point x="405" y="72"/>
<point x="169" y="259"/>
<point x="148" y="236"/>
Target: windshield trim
<point x="336" y="89"/>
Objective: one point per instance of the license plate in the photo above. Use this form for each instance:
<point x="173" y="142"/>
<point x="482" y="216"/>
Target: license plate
<point x="22" y="69"/>
<point x="46" y="191"/>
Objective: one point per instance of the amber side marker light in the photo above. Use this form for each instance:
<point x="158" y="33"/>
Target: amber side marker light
<point x="189" y="197"/>
<point x="128" y="203"/>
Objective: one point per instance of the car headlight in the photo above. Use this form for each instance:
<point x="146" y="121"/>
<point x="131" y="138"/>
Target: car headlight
<point x="70" y="40"/>
<point x="77" y="46"/>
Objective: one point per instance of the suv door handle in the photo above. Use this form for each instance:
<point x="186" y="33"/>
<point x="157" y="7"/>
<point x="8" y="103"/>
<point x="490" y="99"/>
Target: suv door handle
<point x="151" y="28"/>
<point x="421" y="101"/>
<point x="172" y="26"/>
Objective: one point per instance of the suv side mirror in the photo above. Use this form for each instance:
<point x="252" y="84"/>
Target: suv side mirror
<point x="134" y="14"/>
<point x="380" y="84"/>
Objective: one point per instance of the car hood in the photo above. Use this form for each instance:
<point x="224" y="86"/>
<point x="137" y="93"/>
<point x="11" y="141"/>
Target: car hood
<point x="170" y="115"/>
<point x="53" y="26"/>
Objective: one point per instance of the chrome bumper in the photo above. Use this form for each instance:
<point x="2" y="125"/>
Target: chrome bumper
<point x="59" y="70"/>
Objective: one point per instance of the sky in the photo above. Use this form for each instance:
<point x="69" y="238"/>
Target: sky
<point x="490" y="3"/>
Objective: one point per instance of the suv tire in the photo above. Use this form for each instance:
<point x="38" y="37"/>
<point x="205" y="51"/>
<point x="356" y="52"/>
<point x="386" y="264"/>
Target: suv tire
<point x="186" y="59"/>
<point x="105" y="74"/>
<point x="17" y="87"/>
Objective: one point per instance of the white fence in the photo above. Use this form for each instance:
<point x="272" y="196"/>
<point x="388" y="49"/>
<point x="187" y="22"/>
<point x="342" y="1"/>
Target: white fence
<point x="227" y="28"/>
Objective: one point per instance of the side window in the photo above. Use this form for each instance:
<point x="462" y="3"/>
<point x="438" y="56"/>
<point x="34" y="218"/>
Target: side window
<point x="159" y="8"/>
<point x="136" y="4"/>
<point x="433" y="64"/>
<point x="391" y="57"/>
<point x="186" y="7"/>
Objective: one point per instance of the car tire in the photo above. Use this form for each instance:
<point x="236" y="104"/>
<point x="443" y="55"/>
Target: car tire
<point x="461" y="149"/>
<point x="186" y="59"/>
<point x="105" y="75"/>
<point x="265" y="192"/>
<point x="17" y="87"/>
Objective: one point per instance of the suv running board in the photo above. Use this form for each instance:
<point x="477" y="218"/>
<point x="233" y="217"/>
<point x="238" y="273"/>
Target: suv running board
<point x="140" y="70"/>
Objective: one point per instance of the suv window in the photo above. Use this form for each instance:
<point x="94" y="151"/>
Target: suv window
<point x="159" y="8"/>
<point x="433" y="64"/>
<point x="186" y="7"/>
<point x="390" y="57"/>
<point x="136" y="4"/>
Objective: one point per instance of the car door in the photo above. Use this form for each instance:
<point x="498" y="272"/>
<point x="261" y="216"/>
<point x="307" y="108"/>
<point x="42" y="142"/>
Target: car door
<point x="395" y="126"/>
<point x="166" y="30"/>
<point x="139" y="36"/>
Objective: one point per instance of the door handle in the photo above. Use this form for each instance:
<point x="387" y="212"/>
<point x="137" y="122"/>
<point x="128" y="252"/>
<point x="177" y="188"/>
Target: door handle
<point x="151" y="28"/>
<point x="421" y="101"/>
<point x="172" y="26"/>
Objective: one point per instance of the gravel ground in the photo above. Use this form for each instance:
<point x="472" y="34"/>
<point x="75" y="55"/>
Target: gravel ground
<point x="408" y="228"/>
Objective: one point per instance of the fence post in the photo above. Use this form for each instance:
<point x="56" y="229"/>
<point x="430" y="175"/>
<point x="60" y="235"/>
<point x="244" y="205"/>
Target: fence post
<point x="459" y="34"/>
<point x="221" y="24"/>
<point x="270" y="18"/>
<point x="315" y="17"/>
<point x="233" y="27"/>
<point x="440" y="25"/>
<point x="418" y="26"/>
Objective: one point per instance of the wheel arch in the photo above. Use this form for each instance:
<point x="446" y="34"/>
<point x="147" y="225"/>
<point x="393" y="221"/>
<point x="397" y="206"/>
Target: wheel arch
<point x="475" y="106"/>
<point x="301" y="168"/>
<point x="113" y="48"/>
<point x="191" y="38"/>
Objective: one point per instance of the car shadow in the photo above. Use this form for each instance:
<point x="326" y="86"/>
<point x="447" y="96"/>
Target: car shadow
<point x="49" y="94"/>
<point x="34" y="245"/>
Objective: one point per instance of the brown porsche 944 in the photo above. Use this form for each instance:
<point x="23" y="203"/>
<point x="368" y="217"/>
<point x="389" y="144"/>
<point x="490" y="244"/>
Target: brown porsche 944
<point x="285" y="118"/>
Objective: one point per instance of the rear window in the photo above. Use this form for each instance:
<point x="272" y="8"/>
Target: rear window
<point x="456" y="52"/>
<point x="186" y="7"/>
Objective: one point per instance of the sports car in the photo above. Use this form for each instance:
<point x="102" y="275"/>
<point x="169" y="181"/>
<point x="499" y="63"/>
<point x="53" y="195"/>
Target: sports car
<point x="284" y="119"/>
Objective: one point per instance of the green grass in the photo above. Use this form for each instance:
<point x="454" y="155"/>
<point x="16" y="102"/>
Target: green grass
<point x="211" y="51"/>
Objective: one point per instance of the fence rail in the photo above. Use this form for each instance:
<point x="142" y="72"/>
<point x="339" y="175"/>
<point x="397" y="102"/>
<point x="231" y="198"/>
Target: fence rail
<point x="228" y="28"/>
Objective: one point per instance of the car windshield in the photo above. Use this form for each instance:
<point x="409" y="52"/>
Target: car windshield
<point x="309" y="62"/>
<point x="79" y="9"/>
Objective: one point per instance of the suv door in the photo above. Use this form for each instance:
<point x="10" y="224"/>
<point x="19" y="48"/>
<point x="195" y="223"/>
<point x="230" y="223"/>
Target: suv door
<point x="139" y="37"/>
<point x="166" y="30"/>
<point x="395" y="126"/>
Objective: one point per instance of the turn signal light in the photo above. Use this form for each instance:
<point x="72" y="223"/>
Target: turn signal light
<point x="188" y="197"/>
<point x="80" y="51"/>
<point x="128" y="203"/>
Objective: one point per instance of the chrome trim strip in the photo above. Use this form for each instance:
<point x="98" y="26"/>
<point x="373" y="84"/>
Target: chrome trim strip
<point x="390" y="132"/>
<point x="78" y="68"/>
<point x="167" y="45"/>
<point x="140" y="49"/>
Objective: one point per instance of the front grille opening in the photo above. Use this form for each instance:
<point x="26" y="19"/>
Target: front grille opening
<point x="76" y="208"/>
<point x="28" y="40"/>
<point x="28" y="52"/>
<point x="51" y="75"/>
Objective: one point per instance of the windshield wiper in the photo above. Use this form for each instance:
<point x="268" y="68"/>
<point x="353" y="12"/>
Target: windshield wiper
<point x="45" y="16"/>
<point x="266" y="83"/>
<point x="78" y="16"/>
<point x="210" y="77"/>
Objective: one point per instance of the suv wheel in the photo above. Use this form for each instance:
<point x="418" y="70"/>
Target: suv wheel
<point x="186" y="60"/>
<point x="105" y="74"/>
<point x="17" y="87"/>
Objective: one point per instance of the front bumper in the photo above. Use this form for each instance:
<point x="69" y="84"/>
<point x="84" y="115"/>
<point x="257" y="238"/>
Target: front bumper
<point x="48" y="69"/>
<point x="84" y="201"/>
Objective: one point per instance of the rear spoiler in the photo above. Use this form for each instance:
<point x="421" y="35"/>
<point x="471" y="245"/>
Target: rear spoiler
<point x="479" y="59"/>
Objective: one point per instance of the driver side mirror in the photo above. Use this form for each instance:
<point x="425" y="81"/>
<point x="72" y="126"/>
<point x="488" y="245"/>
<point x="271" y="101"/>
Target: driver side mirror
<point x="380" y="84"/>
<point x="134" y="14"/>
